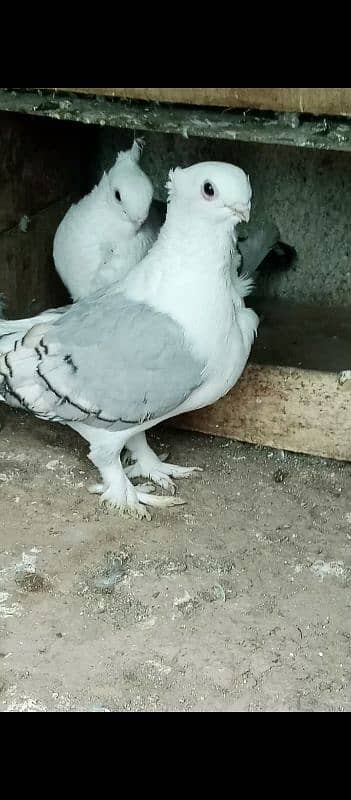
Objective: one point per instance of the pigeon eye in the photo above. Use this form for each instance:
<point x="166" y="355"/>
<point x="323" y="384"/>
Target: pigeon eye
<point x="117" y="195"/>
<point x="208" y="190"/>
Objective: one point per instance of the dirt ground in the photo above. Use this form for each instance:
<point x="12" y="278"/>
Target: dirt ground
<point x="238" y="601"/>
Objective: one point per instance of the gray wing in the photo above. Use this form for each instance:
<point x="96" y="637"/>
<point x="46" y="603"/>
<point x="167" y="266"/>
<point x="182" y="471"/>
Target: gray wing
<point x="107" y="361"/>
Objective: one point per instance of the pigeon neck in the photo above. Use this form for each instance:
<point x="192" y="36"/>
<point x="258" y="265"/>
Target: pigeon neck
<point x="196" y="236"/>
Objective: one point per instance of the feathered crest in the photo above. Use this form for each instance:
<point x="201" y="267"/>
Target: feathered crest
<point x="103" y="187"/>
<point x="170" y="185"/>
<point x="134" y="153"/>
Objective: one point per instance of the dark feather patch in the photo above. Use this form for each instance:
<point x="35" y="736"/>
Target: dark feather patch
<point x="68" y="359"/>
<point x="280" y="258"/>
<point x="45" y="348"/>
<point x="8" y="365"/>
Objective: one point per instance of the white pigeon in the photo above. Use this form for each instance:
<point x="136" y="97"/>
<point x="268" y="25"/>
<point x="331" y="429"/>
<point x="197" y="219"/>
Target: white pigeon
<point x="98" y="242"/>
<point x="109" y="230"/>
<point x="174" y="336"/>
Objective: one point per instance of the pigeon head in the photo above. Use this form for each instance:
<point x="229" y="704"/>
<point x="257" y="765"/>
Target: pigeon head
<point x="212" y="190"/>
<point x="130" y="191"/>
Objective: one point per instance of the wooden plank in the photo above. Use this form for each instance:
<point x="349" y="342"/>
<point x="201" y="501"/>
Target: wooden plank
<point x="28" y="278"/>
<point x="330" y="101"/>
<point x="300" y="410"/>
<point x="211" y="123"/>
<point x="40" y="162"/>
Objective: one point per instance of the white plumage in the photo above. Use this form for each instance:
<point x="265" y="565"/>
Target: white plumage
<point x="109" y="230"/>
<point x="173" y="336"/>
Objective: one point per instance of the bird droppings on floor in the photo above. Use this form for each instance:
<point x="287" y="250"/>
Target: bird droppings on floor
<point x="238" y="601"/>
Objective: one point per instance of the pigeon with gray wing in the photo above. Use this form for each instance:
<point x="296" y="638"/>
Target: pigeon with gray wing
<point x="172" y="337"/>
<point x="99" y="242"/>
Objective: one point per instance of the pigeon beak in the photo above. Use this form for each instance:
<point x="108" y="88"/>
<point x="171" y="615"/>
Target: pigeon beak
<point x="242" y="212"/>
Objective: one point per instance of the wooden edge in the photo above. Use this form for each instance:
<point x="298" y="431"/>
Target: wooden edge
<point x="300" y="410"/>
<point x="233" y="125"/>
<point x="330" y="101"/>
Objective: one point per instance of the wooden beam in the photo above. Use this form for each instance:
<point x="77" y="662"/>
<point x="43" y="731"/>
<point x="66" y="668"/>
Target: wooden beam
<point x="211" y="123"/>
<point x="312" y="101"/>
<point x="300" y="410"/>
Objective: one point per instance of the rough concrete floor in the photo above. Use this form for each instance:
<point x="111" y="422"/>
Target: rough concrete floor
<point x="238" y="601"/>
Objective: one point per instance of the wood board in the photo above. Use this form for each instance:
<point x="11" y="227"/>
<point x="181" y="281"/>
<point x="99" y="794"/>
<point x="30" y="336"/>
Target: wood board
<point x="304" y="411"/>
<point x="329" y="101"/>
